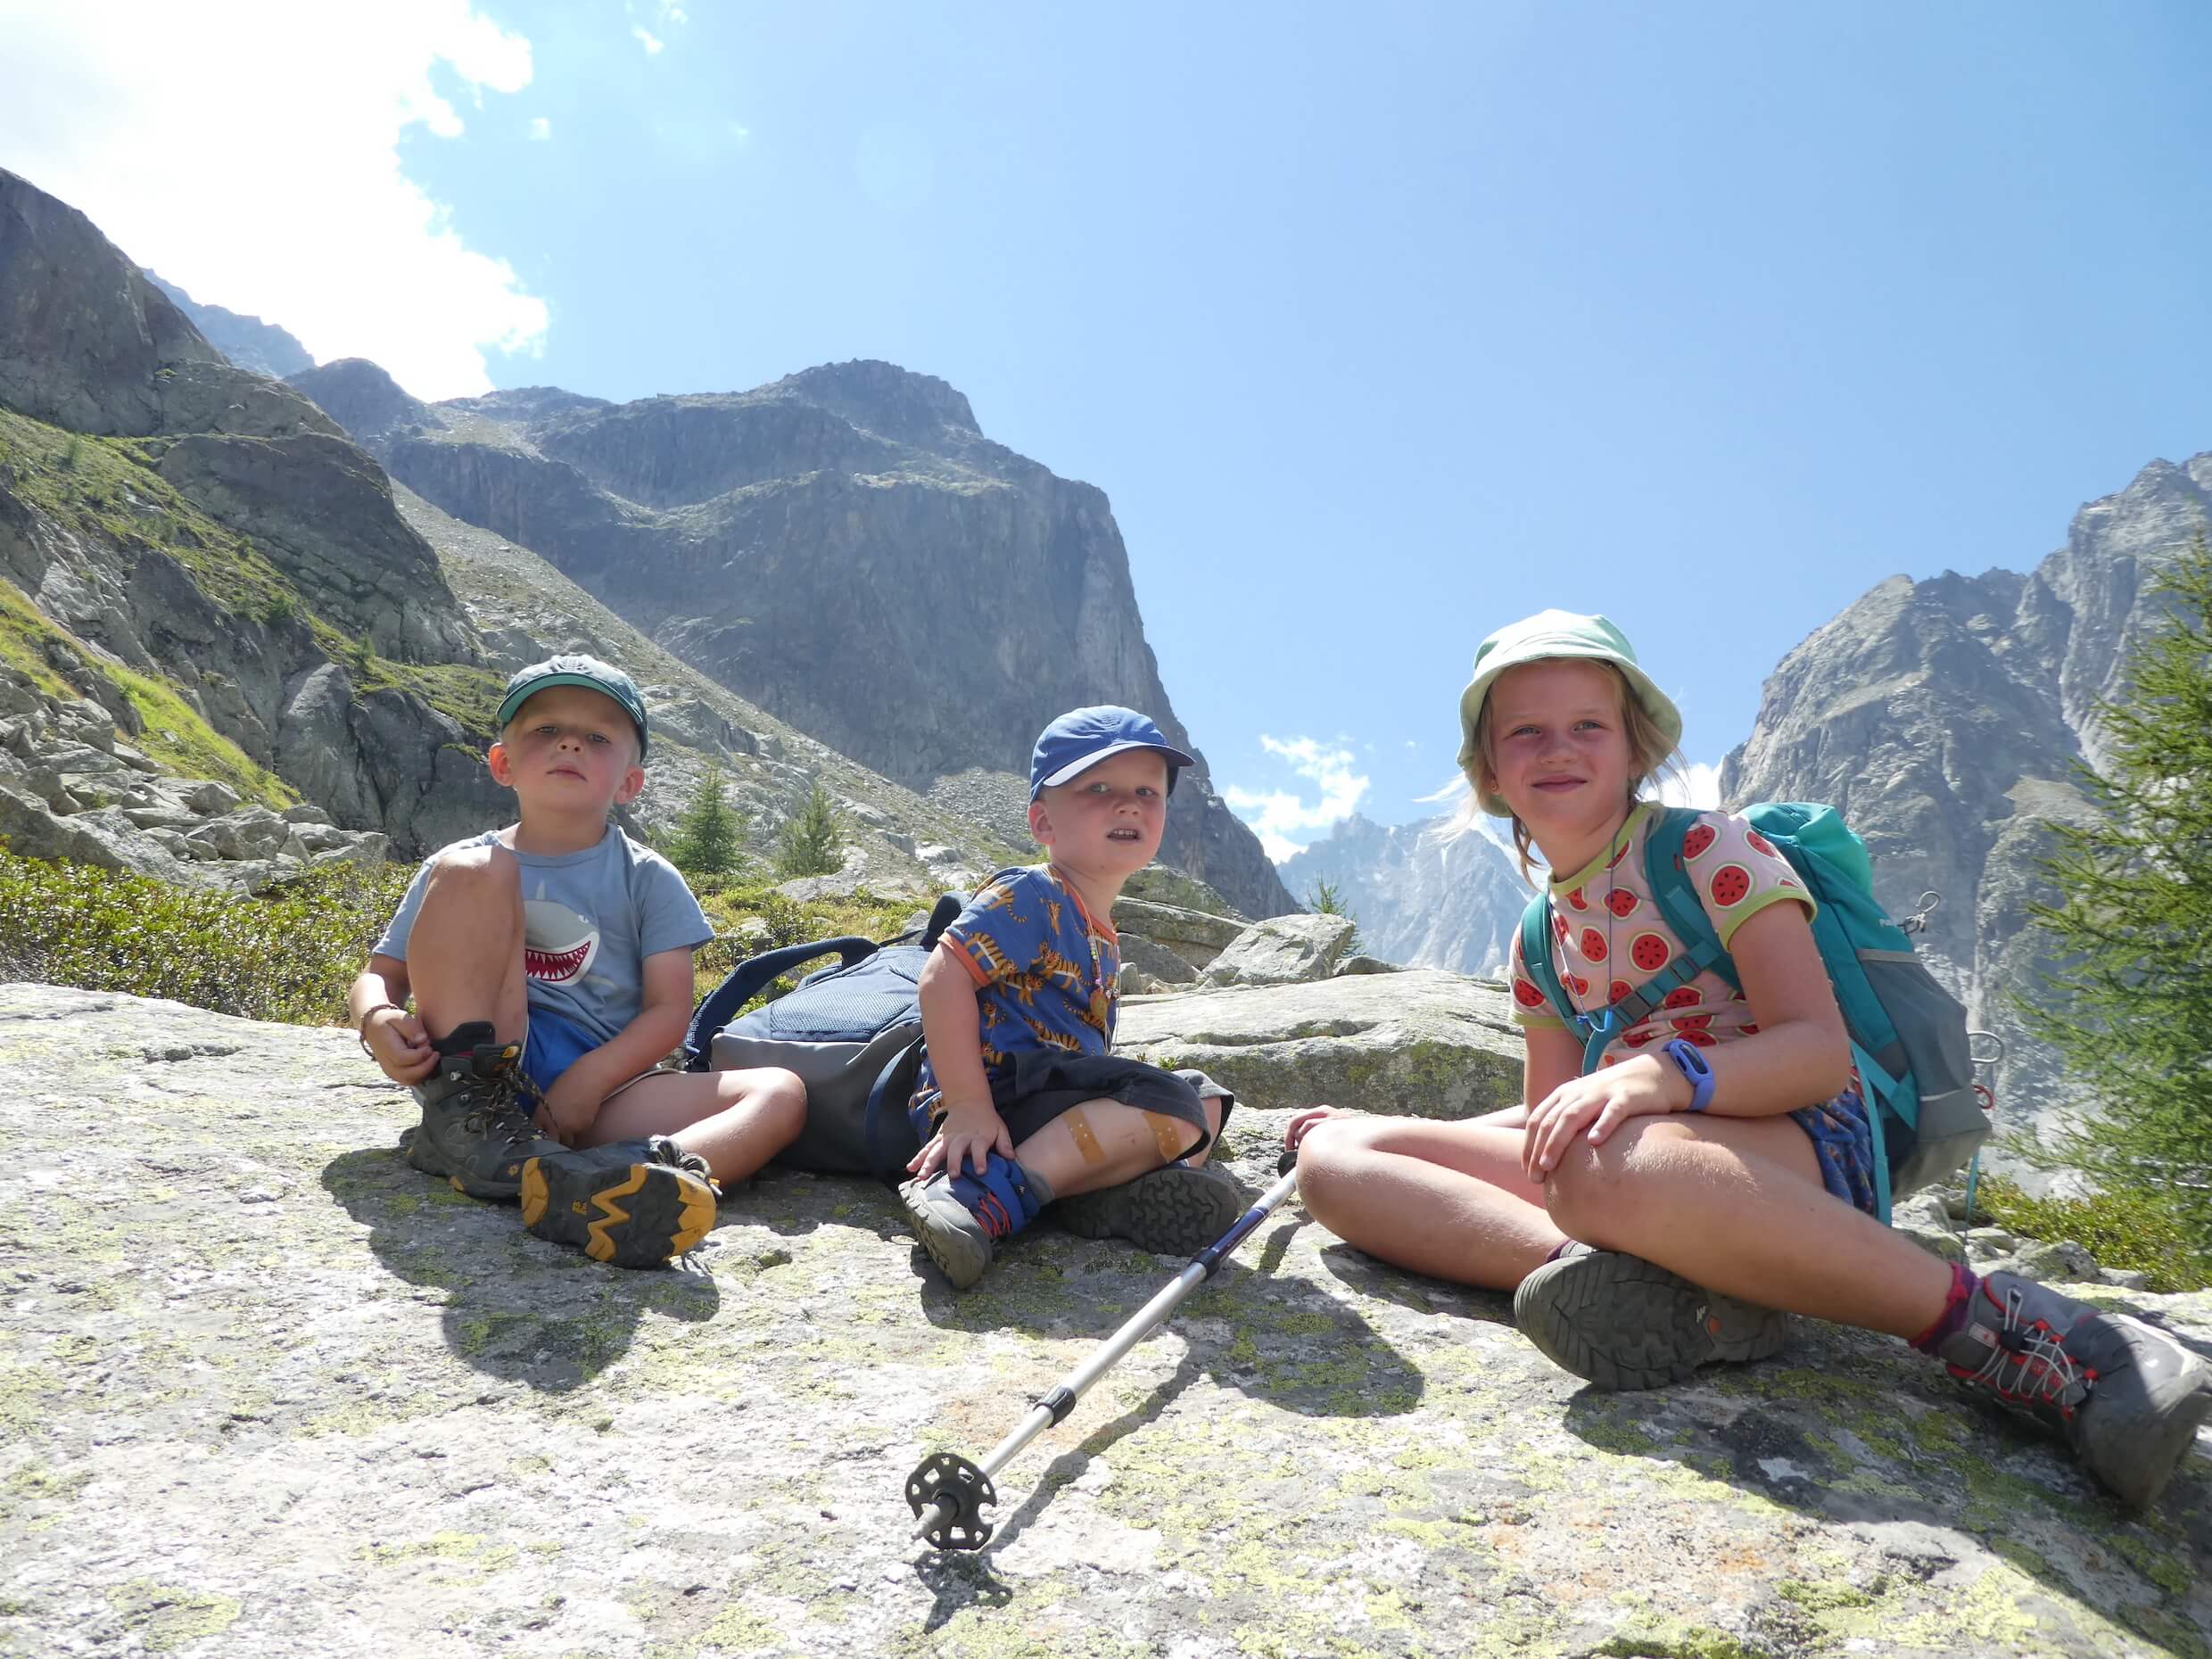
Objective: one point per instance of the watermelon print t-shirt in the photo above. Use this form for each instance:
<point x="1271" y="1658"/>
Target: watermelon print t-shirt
<point x="1047" y="972"/>
<point x="1609" y="936"/>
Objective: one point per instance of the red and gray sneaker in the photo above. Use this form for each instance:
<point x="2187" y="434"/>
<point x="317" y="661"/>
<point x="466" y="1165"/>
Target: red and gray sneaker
<point x="475" y="1129"/>
<point x="634" y="1203"/>
<point x="2127" y="1398"/>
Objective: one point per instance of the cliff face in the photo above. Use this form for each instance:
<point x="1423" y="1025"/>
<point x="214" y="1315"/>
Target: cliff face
<point x="843" y="548"/>
<point x="246" y="341"/>
<point x="1946" y="718"/>
<point x="203" y="577"/>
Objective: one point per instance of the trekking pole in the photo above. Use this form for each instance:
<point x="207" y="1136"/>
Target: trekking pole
<point x="948" y="1494"/>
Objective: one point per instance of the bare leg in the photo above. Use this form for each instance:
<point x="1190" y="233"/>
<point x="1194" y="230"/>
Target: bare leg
<point x="1444" y="1199"/>
<point x="464" y="956"/>
<point x="1126" y="1139"/>
<point x="1737" y="1205"/>
<point x="737" y="1120"/>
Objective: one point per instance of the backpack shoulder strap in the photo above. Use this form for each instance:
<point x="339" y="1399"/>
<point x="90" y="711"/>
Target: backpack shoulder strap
<point x="749" y="980"/>
<point x="1536" y="957"/>
<point x="1676" y="897"/>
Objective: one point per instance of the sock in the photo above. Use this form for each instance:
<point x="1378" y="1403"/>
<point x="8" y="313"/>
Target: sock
<point x="1005" y="1198"/>
<point x="1558" y="1249"/>
<point x="1964" y="1283"/>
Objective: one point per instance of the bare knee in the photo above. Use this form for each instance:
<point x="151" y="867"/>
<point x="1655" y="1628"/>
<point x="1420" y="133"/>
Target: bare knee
<point x="1326" y="1155"/>
<point x="1589" y="1192"/>
<point x="783" y="1102"/>
<point x="488" y="870"/>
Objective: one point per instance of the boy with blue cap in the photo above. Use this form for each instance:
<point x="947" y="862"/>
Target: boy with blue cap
<point x="551" y="964"/>
<point x="1020" y="1098"/>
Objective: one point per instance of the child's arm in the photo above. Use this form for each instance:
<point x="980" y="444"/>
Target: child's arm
<point x="1799" y="1056"/>
<point x="572" y="1103"/>
<point x="951" y="1025"/>
<point x="376" y="1007"/>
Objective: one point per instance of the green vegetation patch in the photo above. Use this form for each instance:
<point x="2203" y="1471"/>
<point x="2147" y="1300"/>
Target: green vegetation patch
<point x="733" y="903"/>
<point x="286" y="955"/>
<point x="2128" y="1229"/>
<point x="467" y="695"/>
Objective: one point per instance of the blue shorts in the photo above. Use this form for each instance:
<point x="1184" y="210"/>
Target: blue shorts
<point x="1845" y="1145"/>
<point x="555" y="1044"/>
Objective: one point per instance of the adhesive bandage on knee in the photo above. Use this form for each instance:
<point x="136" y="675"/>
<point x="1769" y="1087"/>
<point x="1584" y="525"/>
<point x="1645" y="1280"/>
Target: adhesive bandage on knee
<point x="1169" y="1135"/>
<point x="1086" y="1137"/>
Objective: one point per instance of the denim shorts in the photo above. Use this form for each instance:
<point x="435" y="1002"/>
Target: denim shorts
<point x="1845" y="1145"/>
<point x="553" y="1044"/>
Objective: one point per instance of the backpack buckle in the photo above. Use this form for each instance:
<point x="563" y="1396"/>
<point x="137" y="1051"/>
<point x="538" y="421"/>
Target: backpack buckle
<point x="1917" y="922"/>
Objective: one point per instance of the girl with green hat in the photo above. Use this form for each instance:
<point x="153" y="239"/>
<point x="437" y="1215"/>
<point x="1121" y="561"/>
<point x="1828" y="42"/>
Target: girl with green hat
<point x="1713" y="1166"/>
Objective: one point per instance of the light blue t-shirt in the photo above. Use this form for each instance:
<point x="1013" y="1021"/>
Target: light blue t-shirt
<point x="589" y="919"/>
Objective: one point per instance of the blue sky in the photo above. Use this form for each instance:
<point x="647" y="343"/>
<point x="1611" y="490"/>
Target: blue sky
<point x="1379" y="325"/>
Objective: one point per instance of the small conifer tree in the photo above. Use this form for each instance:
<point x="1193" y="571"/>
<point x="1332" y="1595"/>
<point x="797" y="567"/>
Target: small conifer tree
<point x="812" y="844"/>
<point x="2129" y="1000"/>
<point x="706" y="835"/>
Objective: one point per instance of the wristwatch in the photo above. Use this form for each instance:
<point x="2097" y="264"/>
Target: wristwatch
<point x="1689" y="1060"/>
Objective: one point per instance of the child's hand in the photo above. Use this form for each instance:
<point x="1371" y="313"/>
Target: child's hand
<point x="966" y="1135"/>
<point x="569" y="1108"/>
<point x="399" y="1044"/>
<point x="1294" y="1131"/>
<point x="1603" y="1102"/>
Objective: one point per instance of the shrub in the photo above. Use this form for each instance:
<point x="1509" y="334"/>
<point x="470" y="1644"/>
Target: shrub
<point x="705" y="843"/>
<point x="286" y="955"/>
<point x="2134" y="1229"/>
<point x="811" y="843"/>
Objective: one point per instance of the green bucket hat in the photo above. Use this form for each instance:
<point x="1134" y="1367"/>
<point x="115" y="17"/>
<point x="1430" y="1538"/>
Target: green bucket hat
<point x="1556" y="633"/>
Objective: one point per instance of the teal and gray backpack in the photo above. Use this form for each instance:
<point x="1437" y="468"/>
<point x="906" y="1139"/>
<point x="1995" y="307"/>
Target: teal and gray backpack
<point x="1908" y="1033"/>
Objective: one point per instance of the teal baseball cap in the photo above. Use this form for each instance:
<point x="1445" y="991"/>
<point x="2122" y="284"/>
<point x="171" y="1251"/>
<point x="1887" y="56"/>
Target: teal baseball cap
<point x="574" y="669"/>
<point x="1556" y="633"/>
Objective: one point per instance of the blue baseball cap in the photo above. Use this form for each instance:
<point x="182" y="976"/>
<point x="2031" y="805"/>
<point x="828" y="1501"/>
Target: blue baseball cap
<point x="574" y="669"/>
<point x="1083" y="737"/>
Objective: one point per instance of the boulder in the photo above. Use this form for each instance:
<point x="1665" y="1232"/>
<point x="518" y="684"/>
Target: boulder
<point x="1282" y="950"/>
<point x="1158" y="962"/>
<point x="1360" y="962"/>
<point x="271" y="1392"/>
<point x="1195" y="936"/>
<point x="1422" y="1043"/>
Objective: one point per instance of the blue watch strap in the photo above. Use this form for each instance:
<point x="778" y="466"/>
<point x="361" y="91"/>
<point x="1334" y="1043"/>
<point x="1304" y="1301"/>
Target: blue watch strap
<point x="1690" y="1061"/>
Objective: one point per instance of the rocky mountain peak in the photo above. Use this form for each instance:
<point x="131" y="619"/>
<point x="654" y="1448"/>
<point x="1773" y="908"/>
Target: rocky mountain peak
<point x="247" y="342"/>
<point x="87" y="343"/>
<point x="884" y="398"/>
<point x="361" y="398"/>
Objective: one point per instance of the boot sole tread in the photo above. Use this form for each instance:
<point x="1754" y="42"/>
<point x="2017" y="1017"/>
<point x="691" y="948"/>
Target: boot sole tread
<point x="1621" y="1323"/>
<point x="639" y="1217"/>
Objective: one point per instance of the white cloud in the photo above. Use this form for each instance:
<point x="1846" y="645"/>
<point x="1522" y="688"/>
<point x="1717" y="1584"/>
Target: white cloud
<point x="1698" y="785"/>
<point x="255" y="161"/>
<point x="651" y="42"/>
<point x="667" y="15"/>
<point x="540" y="128"/>
<point x="1276" y="815"/>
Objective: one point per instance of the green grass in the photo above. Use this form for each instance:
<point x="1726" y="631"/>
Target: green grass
<point x="731" y="903"/>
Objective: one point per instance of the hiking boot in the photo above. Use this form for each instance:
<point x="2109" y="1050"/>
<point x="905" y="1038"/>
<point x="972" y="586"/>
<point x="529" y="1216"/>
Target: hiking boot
<point x="2127" y="1398"/>
<point x="475" y="1130"/>
<point x="1620" y="1321"/>
<point x="1178" y="1210"/>
<point x="634" y="1203"/>
<point x="947" y="1229"/>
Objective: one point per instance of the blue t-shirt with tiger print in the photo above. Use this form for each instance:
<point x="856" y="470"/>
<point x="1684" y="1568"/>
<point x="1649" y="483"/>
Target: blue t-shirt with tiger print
<point x="1047" y="972"/>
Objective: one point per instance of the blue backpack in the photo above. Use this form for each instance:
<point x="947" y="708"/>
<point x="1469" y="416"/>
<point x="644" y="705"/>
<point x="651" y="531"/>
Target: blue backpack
<point x="853" y="1033"/>
<point x="1908" y="1034"/>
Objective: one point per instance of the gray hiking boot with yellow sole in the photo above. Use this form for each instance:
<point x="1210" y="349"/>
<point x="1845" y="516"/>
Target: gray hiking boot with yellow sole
<point x="475" y="1130"/>
<point x="1178" y="1210"/>
<point x="634" y="1203"/>
<point x="2127" y="1398"/>
<point x="1620" y="1321"/>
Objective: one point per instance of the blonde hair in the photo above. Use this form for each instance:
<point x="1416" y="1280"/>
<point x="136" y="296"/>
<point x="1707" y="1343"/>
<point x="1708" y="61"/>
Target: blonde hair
<point x="1650" y="757"/>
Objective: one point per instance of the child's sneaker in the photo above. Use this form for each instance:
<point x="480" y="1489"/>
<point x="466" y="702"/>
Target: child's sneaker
<point x="1620" y="1321"/>
<point x="475" y="1130"/>
<point x="959" y="1219"/>
<point x="2127" y="1398"/>
<point x="634" y="1203"/>
<point x="1176" y="1210"/>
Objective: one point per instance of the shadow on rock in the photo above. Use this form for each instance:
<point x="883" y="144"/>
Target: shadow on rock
<point x="956" y="1580"/>
<point x="513" y="1306"/>
<point x="1279" y="1340"/>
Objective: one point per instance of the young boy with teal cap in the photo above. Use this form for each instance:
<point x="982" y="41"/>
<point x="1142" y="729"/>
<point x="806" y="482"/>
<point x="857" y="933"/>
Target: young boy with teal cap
<point x="1020" y="1098"/>
<point x="550" y="966"/>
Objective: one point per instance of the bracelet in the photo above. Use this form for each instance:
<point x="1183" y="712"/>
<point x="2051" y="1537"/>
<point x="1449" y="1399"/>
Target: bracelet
<point x="361" y="1030"/>
<point x="1691" y="1063"/>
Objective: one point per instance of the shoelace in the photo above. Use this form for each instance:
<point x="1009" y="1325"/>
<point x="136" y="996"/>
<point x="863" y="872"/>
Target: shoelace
<point x="2037" y="1356"/>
